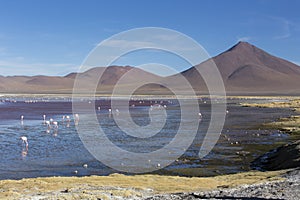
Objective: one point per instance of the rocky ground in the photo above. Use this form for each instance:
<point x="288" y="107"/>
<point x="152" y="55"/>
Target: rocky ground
<point x="272" y="185"/>
<point x="117" y="186"/>
<point x="284" y="189"/>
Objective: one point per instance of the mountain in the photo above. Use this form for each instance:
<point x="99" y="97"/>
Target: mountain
<point x="245" y="69"/>
<point x="58" y="84"/>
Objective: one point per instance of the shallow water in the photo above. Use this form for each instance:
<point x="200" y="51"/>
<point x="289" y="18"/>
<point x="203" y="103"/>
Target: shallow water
<point x="61" y="152"/>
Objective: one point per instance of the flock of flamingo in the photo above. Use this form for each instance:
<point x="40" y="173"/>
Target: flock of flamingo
<point x="51" y="124"/>
<point x="54" y="124"/>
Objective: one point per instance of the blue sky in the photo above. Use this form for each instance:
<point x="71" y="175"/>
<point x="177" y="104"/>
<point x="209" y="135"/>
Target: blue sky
<point x="53" y="37"/>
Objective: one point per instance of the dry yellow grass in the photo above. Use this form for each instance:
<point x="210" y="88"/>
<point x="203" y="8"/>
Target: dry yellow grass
<point x="124" y="186"/>
<point x="289" y="125"/>
<point x="291" y="103"/>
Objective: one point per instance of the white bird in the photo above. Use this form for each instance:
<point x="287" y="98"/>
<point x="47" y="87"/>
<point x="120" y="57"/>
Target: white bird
<point x="24" y="141"/>
<point x="99" y="108"/>
<point x="200" y="115"/>
<point x="55" y="123"/>
<point x="77" y="117"/>
<point x="85" y="166"/>
<point x="51" y="121"/>
<point x="158" y="165"/>
<point x="22" y="117"/>
<point x="44" y="117"/>
<point x="68" y="118"/>
<point x="48" y="123"/>
<point x="109" y="110"/>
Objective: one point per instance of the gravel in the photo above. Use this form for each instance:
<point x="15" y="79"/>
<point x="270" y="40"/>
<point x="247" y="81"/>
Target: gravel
<point x="286" y="189"/>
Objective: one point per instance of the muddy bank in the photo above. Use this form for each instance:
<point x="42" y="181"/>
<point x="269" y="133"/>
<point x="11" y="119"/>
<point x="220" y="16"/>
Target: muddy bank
<point x="284" y="157"/>
<point x="288" y="155"/>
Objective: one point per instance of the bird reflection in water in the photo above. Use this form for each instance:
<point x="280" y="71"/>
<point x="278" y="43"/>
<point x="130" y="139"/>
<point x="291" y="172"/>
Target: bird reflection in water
<point x="24" y="146"/>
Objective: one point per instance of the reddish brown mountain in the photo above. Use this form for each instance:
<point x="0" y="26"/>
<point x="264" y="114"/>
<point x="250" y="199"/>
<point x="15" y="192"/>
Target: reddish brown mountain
<point x="57" y="84"/>
<point x="246" y="69"/>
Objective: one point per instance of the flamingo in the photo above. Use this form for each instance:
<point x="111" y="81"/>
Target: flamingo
<point x="76" y="120"/>
<point x="200" y="115"/>
<point x="68" y="118"/>
<point x="55" y="123"/>
<point x="48" y="123"/>
<point x="77" y="117"/>
<point x="24" y="141"/>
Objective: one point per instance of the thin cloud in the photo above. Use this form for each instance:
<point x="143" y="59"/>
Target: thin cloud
<point x="244" y="39"/>
<point x="285" y="26"/>
<point x="16" y="67"/>
<point x="126" y="44"/>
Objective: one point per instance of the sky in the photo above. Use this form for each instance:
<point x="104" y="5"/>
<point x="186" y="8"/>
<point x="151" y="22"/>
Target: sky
<point x="54" y="37"/>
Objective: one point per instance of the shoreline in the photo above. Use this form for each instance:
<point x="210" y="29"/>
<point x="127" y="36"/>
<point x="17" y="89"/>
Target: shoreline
<point x="124" y="186"/>
<point x="69" y="95"/>
<point x="116" y="186"/>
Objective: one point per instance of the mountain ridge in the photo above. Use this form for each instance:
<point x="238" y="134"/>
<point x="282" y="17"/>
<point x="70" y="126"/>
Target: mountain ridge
<point x="244" y="68"/>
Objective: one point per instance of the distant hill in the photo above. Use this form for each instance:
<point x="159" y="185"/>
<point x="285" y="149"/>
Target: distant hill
<point x="245" y="69"/>
<point x="57" y="84"/>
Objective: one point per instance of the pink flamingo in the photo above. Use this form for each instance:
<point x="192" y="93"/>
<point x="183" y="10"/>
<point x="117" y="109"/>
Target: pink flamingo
<point x="24" y="141"/>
